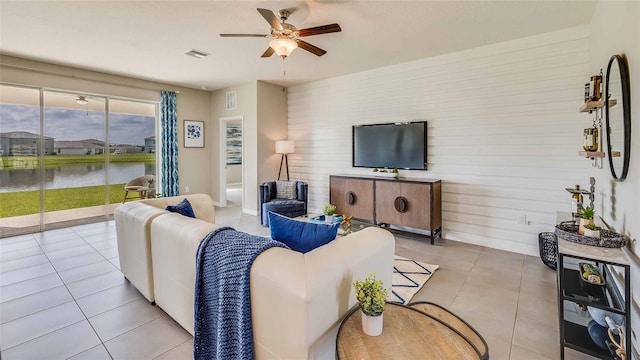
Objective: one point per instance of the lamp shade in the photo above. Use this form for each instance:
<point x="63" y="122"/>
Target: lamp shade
<point x="284" y="147"/>
<point x="283" y="46"/>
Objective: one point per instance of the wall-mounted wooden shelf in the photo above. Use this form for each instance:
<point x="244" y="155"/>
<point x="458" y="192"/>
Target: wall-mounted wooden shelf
<point x="597" y="154"/>
<point x="594" y="105"/>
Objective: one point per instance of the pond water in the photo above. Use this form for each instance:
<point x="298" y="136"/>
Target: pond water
<point x="69" y="176"/>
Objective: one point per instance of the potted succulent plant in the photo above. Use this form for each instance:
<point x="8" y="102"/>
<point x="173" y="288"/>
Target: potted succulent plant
<point x="586" y="218"/>
<point x="328" y="210"/>
<point x="592" y="230"/>
<point x="372" y="297"/>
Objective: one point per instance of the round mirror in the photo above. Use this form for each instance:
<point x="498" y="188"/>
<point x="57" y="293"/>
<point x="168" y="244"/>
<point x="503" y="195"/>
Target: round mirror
<point x="618" y="117"/>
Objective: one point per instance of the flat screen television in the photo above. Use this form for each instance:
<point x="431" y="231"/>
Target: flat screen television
<point x="393" y="145"/>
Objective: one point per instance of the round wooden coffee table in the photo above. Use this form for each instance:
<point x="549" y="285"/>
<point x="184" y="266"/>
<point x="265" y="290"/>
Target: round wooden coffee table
<point x="407" y="333"/>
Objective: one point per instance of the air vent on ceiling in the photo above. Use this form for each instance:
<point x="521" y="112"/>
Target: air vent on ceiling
<point x="231" y="100"/>
<point x="197" y="54"/>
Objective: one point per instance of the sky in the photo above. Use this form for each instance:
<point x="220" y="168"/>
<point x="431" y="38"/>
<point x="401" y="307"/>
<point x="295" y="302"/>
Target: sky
<point x="69" y="124"/>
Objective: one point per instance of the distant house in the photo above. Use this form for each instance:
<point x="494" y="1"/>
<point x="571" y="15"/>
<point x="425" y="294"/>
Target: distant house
<point x="150" y="145"/>
<point x="79" y="147"/>
<point x="23" y="143"/>
<point x="126" y="149"/>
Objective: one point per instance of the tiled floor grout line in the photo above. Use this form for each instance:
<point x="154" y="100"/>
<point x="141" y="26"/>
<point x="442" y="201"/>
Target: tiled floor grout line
<point x="37" y="337"/>
<point x="173" y="348"/>
<point x="76" y="302"/>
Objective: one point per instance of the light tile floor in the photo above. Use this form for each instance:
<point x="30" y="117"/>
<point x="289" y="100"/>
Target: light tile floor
<point x="62" y="296"/>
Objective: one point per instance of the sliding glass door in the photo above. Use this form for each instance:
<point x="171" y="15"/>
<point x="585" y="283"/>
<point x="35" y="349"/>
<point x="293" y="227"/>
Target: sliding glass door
<point x="75" y="161"/>
<point x="66" y="157"/>
<point x="20" y="161"/>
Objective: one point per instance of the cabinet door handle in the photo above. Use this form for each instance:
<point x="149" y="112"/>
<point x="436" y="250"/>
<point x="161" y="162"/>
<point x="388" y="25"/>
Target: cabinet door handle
<point x="350" y="197"/>
<point x="401" y="204"/>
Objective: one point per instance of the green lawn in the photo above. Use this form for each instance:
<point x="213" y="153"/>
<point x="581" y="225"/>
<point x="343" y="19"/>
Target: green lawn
<point x="31" y="162"/>
<point x="27" y="202"/>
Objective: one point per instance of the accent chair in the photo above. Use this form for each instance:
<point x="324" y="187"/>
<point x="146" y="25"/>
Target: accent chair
<point x="288" y="198"/>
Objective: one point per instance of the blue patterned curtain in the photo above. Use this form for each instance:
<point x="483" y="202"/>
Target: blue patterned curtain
<point x="169" y="124"/>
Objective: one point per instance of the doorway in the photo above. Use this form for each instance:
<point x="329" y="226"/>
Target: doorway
<point x="231" y="162"/>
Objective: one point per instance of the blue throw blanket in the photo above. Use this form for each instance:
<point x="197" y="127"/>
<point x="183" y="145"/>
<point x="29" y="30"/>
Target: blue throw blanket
<point x="222" y="322"/>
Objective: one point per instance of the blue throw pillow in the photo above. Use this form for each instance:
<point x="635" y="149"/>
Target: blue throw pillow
<point x="183" y="208"/>
<point x="301" y="236"/>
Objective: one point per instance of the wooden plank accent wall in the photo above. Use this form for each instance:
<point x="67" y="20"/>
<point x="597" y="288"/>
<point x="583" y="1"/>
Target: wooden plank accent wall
<point x="504" y="131"/>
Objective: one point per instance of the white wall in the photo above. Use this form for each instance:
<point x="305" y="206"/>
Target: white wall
<point x="272" y="123"/>
<point x="246" y="98"/>
<point x="615" y="29"/>
<point x="193" y="163"/>
<point x="264" y="107"/>
<point x="504" y="131"/>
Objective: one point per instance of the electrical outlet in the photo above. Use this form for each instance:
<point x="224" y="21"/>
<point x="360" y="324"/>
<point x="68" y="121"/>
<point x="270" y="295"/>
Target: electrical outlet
<point x="186" y="189"/>
<point x="522" y="219"/>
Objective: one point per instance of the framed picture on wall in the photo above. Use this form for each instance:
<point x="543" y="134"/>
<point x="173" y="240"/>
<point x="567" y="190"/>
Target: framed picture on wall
<point x="193" y="134"/>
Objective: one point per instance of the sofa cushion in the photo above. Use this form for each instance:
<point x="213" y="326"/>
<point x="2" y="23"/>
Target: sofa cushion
<point x="301" y="236"/>
<point x="287" y="190"/>
<point x="183" y="208"/>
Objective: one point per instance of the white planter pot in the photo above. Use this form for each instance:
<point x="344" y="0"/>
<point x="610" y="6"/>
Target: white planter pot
<point x="328" y="218"/>
<point x="592" y="233"/>
<point x="584" y="222"/>
<point x="372" y="325"/>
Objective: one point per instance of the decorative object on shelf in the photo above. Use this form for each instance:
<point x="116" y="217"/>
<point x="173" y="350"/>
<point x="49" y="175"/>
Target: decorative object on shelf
<point x="590" y="142"/>
<point x="548" y="246"/>
<point x="608" y="239"/>
<point x="595" y="87"/>
<point x="390" y="173"/>
<point x="600" y="315"/>
<point x="321" y="219"/>
<point x="346" y="221"/>
<point x="372" y="297"/>
<point x="590" y="274"/>
<point x="284" y="147"/>
<point x="576" y="201"/>
<point x="193" y="134"/>
<point x="593" y="103"/>
<point x="618" y="120"/>
<point x="619" y="345"/>
<point x="328" y="210"/>
<point x="587" y="91"/>
<point x="592" y="230"/>
<point x="598" y="334"/>
<point x="586" y="218"/>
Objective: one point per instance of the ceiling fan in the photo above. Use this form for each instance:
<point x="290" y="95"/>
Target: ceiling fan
<point x="286" y="37"/>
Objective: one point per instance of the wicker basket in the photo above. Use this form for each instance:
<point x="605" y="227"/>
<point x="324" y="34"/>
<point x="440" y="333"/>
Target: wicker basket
<point x="608" y="239"/>
<point x="548" y="243"/>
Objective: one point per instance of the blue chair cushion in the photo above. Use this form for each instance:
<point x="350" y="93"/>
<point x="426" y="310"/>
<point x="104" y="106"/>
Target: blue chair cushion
<point x="301" y="236"/>
<point x="182" y="208"/>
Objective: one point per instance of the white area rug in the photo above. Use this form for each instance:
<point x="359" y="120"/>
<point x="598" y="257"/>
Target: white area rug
<point x="408" y="277"/>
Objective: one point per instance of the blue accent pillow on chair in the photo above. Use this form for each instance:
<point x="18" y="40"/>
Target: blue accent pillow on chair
<point x="301" y="236"/>
<point x="182" y="208"/>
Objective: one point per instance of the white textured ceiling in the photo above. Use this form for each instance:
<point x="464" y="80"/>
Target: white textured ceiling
<point x="148" y="39"/>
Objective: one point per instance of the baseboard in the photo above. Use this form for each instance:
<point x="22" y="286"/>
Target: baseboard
<point x="217" y="203"/>
<point x="250" y="212"/>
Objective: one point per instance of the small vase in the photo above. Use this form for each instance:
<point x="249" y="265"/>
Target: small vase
<point x="372" y="325"/>
<point x="328" y="219"/>
<point x="584" y="222"/>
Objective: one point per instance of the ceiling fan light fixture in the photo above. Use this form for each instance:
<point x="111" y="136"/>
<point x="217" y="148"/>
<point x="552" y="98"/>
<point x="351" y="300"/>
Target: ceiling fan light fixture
<point x="283" y="46"/>
<point x="82" y="100"/>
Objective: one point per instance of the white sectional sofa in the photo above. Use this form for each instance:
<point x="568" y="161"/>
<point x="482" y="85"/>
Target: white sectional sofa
<point x="133" y="228"/>
<point x="297" y="300"/>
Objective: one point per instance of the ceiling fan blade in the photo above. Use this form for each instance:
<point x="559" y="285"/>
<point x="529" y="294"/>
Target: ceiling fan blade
<point x="267" y="53"/>
<point x="271" y="18"/>
<point x="244" y="35"/>
<point x="324" y="29"/>
<point x="310" y="48"/>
